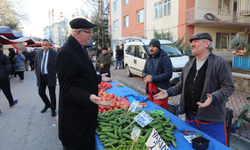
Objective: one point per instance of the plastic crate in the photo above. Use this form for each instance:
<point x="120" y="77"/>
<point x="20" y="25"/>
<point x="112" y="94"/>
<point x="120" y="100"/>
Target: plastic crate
<point x="173" y="108"/>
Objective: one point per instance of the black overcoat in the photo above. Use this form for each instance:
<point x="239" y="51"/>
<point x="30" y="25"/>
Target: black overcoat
<point x="78" y="80"/>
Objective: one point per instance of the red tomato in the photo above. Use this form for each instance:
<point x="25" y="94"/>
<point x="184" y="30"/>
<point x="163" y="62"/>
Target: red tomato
<point x="119" y="99"/>
<point x="112" y="95"/>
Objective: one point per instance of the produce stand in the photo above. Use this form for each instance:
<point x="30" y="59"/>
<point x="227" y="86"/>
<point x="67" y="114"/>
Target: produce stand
<point x="181" y="125"/>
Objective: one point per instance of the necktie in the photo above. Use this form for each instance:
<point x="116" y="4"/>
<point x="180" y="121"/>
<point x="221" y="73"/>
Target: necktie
<point x="43" y="66"/>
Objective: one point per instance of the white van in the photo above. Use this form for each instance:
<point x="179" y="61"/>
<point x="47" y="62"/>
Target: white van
<point x="136" y="52"/>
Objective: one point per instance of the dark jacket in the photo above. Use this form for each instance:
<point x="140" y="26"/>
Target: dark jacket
<point x="218" y="83"/>
<point x="119" y="53"/>
<point x="5" y="67"/>
<point x="51" y="76"/>
<point x="78" y="80"/>
<point x="162" y="70"/>
<point x="105" y="60"/>
<point x="26" y="54"/>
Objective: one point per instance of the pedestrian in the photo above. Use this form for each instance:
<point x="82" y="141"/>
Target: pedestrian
<point x="46" y="76"/>
<point x="5" y="71"/>
<point x="157" y="72"/>
<point x="19" y="64"/>
<point x="104" y="62"/>
<point x="98" y="52"/>
<point x="11" y="56"/>
<point x="205" y="85"/>
<point x="32" y="55"/>
<point x="118" y="57"/>
<point x="122" y="61"/>
<point x="26" y="61"/>
<point x="78" y="102"/>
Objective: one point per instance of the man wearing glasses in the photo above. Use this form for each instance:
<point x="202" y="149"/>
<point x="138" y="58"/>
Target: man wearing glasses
<point x="78" y="101"/>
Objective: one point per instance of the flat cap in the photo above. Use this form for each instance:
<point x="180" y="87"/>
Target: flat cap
<point x="81" y="23"/>
<point x="201" y="36"/>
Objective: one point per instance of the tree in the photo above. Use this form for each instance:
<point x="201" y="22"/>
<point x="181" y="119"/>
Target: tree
<point x="11" y="13"/>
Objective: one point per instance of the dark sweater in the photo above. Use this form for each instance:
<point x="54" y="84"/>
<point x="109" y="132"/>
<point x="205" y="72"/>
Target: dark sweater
<point x="105" y="60"/>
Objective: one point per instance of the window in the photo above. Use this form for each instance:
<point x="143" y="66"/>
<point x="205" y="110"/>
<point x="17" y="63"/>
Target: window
<point x="140" y="16"/>
<point x="116" y="5"/>
<point x="224" y="6"/>
<point x="140" y="52"/>
<point x="130" y="50"/>
<point x="163" y="8"/>
<point x="223" y="40"/>
<point x="116" y="25"/>
<point x="126" y="21"/>
<point x="126" y="2"/>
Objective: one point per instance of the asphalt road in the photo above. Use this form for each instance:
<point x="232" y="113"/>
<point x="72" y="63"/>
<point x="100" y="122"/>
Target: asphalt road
<point x="23" y="127"/>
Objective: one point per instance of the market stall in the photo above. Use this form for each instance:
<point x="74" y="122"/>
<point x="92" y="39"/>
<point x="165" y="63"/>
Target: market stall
<point x="181" y="142"/>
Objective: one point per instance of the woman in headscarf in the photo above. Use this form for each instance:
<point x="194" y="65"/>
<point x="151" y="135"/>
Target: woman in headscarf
<point x="19" y="64"/>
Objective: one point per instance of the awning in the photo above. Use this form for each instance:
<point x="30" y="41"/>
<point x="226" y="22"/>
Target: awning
<point x="5" y="40"/>
<point x="9" y="33"/>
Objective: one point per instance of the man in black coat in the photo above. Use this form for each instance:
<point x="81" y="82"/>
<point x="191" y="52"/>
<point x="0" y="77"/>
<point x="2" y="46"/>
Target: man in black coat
<point x="78" y="103"/>
<point x="46" y="76"/>
<point x="5" y="71"/>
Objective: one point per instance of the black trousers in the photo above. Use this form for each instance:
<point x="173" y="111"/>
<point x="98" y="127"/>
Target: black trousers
<point x="52" y="93"/>
<point x="5" y="86"/>
<point x="20" y="74"/>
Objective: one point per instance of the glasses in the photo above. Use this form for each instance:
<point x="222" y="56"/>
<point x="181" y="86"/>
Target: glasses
<point x="86" y="31"/>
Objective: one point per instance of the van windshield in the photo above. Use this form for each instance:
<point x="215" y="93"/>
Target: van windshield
<point x="170" y="49"/>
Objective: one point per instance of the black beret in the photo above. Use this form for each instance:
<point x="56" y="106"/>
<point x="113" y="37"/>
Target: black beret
<point x="81" y="23"/>
<point x="201" y="36"/>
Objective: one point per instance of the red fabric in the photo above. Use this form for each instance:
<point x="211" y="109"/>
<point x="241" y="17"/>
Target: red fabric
<point x="152" y="90"/>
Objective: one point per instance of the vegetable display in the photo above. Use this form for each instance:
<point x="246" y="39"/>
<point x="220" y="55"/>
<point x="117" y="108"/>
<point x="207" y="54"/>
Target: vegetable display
<point x="112" y="133"/>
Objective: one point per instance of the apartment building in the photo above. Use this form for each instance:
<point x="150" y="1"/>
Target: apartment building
<point x="223" y="19"/>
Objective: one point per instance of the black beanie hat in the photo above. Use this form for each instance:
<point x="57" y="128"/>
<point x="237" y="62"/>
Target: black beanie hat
<point x="156" y="43"/>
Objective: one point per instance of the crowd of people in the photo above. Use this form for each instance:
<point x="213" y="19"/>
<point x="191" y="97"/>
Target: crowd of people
<point x="205" y="83"/>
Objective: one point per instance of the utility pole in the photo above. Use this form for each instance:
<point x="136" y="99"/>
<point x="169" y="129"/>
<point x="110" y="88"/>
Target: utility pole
<point x="98" y="22"/>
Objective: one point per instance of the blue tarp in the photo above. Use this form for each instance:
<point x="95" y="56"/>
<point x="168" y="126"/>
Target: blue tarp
<point x="90" y="44"/>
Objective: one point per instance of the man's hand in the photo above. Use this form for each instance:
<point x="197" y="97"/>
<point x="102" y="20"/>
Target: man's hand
<point x="207" y="102"/>
<point x="148" y="78"/>
<point x="161" y="95"/>
<point x="97" y="100"/>
<point x="101" y="65"/>
<point x="106" y="79"/>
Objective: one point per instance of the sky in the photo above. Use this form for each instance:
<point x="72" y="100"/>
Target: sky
<point x="38" y="13"/>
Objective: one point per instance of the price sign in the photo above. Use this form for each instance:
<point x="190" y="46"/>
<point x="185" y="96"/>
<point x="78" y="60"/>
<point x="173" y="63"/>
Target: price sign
<point x="155" y="142"/>
<point x="135" y="133"/>
<point x="189" y="138"/>
<point x="133" y="105"/>
<point x="143" y="119"/>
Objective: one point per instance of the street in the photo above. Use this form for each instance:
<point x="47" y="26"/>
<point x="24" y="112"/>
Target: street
<point x="23" y="127"/>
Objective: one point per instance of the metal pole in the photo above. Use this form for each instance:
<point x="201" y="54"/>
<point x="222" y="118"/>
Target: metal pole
<point x="98" y="22"/>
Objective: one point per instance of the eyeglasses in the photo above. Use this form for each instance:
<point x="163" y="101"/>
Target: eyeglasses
<point x="86" y="31"/>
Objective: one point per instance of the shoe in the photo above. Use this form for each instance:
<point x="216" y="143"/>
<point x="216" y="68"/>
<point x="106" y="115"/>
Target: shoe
<point x="15" y="102"/>
<point x="21" y="81"/>
<point x="53" y="113"/>
<point x="119" y="68"/>
<point x="115" y="68"/>
<point x="0" y="112"/>
<point x="123" y="68"/>
<point x="44" y="109"/>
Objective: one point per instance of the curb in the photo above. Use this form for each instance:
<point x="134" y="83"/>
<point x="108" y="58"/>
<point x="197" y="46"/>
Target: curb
<point x="239" y="140"/>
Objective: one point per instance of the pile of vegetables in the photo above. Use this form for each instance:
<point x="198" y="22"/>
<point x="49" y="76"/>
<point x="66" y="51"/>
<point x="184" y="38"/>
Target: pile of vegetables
<point x="112" y="133"/>
<point x="117" y="102"/>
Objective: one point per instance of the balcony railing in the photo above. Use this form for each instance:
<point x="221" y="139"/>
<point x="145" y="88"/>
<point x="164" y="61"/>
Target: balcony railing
<point x="219" y="15"/>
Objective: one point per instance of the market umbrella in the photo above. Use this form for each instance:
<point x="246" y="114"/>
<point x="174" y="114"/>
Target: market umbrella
<point x="5" y="40"/>
<point x="9" y="33"/>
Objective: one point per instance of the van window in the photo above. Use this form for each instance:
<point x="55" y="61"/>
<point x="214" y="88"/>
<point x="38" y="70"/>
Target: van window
<point x="170" y="49"/>
<point x="140" y="52"/>
<point x="130" y="50"/>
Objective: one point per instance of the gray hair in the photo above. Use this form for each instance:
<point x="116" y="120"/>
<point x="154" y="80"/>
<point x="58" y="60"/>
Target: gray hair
<point x="210" y="46"/>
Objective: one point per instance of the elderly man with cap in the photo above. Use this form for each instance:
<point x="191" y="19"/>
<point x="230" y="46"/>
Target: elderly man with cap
<point x="157" y="72"/>
<point x="78" y="100"/>
<point x="104" y="61"/>
<point x="205" y="85"/>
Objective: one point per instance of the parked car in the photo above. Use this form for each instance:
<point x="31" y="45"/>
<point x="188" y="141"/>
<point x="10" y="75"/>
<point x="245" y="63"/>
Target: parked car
<point x="136" y="52"/>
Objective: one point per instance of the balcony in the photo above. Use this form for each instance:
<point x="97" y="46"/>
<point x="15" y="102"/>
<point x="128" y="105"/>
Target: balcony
<point x="214" y="17"/>
<point x="244" y="7"/>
